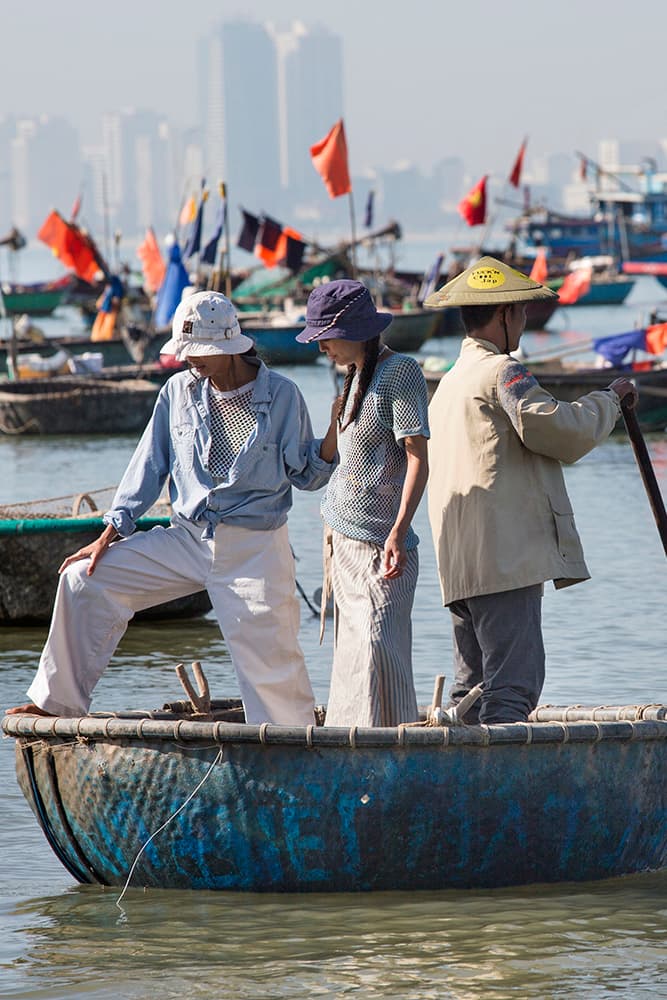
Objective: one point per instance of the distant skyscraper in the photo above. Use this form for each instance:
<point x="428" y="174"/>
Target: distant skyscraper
<point x="310" y="100"/>
<point x="138" y="176"/>
<point x="45" y="168"/>
<point x="241" y="114"/>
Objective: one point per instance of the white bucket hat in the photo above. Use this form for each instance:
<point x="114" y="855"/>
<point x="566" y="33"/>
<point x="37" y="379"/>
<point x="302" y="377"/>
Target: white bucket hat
<point x="205" y="323"/>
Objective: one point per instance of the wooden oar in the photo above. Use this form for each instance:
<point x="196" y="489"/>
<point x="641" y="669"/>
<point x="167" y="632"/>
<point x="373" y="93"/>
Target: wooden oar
<point x="646" y="470"/>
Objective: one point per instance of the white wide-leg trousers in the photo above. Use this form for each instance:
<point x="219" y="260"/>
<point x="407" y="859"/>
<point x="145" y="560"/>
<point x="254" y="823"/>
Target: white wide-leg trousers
<point x="250" y="578"/>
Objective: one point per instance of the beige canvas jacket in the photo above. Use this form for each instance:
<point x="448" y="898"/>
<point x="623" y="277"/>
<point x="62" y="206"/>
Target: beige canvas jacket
<point x="500" y="514"/>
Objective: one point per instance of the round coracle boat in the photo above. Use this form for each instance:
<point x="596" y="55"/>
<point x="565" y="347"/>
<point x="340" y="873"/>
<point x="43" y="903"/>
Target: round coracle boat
<point x="176" y="799"/>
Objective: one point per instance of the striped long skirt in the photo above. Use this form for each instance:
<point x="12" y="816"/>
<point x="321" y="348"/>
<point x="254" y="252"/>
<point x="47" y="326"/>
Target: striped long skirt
<point x="371" y="681"/>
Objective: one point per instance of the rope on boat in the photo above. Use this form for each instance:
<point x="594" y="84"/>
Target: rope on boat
<point x="182" y="806"/>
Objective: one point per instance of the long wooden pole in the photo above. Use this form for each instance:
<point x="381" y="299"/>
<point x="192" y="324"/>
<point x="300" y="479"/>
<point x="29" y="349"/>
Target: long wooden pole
<point x="646" y="470"/>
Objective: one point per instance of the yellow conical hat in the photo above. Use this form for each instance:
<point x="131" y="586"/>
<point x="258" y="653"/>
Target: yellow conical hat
<point x="488" y="282"/>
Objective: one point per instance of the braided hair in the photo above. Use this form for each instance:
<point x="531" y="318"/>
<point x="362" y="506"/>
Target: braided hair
<point x="371" y="352"/>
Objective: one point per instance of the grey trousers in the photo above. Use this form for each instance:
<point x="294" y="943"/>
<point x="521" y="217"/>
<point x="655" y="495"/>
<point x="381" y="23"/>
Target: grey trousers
<point x="498" y="643"/>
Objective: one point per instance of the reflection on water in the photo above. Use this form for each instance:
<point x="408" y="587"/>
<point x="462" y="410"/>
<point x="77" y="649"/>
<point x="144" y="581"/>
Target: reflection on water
<point x="598" y="941"/>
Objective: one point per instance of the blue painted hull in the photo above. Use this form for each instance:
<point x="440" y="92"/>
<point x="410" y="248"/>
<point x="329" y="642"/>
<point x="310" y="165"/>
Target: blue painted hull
<point x="323" y="809"/>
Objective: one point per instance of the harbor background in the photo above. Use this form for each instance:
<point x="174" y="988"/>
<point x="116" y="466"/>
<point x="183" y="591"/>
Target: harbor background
<point x="605" y="645"/>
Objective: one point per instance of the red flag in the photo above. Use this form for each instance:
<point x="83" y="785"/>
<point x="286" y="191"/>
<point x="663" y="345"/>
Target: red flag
<point x="515" y="176"/>
<point x="330" y="160"/>
<point x="473" y="206"/>
<point x="656" y="338"/>
<point x="152" y="263"/>
<point x="575" y="286"/>
<point x="70" y="246"/>
<point x="539" y="269"/>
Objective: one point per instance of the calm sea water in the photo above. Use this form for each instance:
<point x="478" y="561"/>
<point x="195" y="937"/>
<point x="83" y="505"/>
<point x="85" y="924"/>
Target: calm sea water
<point x="605" y="644"/>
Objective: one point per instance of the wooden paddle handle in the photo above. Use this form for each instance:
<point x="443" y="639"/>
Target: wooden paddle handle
<point x="646" y="470"/>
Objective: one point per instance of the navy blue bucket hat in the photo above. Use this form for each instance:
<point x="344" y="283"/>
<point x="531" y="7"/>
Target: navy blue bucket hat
<point x="342" y="309"/>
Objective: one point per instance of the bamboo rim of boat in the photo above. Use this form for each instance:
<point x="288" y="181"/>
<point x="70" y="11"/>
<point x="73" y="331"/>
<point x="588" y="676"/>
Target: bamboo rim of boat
<point x="547" y="724"/>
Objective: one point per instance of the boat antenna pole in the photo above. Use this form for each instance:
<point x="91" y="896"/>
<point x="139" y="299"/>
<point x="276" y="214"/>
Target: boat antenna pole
<point x="603" y="170"/>
<point x="353" y="255"/>
<point x="105" y="202"/>
<point x="226" y="243"/>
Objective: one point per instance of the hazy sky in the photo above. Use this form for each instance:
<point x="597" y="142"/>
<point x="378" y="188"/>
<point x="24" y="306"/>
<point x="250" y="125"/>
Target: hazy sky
<point x="423" y="78"/>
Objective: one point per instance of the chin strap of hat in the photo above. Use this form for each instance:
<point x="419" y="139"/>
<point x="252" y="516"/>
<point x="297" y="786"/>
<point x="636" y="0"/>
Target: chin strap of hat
<point x="503" y="320"/>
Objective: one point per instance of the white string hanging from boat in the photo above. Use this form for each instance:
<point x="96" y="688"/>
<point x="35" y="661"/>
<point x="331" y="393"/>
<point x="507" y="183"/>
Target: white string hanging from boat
<point x="218" y="759"/>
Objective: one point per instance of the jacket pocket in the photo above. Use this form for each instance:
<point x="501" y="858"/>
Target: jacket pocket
<point x="567" y="538"/>
<point x="183" y="437"/>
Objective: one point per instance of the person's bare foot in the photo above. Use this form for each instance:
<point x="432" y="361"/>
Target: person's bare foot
<point x="27" y="710"/>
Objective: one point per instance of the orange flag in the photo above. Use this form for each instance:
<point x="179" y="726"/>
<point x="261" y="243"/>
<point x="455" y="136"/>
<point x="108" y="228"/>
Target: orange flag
<point x="152" y="264"/>
<point x="515" y="176"/>
<point x="656" y="338"/>
<point x="189" y="211"/>
<point x="473" y="206"/>
<point x="576" y="285"/>
<point x="539" y="271"/>
<point x="330" y="160"/>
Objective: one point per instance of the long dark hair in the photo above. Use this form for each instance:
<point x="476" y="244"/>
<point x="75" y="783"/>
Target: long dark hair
<point x="371" y="352"/>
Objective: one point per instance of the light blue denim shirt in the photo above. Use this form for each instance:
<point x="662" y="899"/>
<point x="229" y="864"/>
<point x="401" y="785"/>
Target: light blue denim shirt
<point x="280" y="453"/>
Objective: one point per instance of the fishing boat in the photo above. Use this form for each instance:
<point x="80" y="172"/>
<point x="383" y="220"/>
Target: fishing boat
<point x="35" y="538"/>
<point x="68" y="404"/>
<point x="116" y="351"/>
<point x="610" y="290"/>
<point x="568" y="381"/>
<point x="655" y="269"/>
<point x="174" y="800"/>
<point x="39" y="298"/>
<point x="275" y="335"/>
<point x="627" y="218"/>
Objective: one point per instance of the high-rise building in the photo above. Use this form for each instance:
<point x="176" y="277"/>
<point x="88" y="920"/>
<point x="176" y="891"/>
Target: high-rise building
<point x="240" y="113"/>
<point x="310" y="101"/>
<point x="45" y="170"/>
<point x="139" y="175"/>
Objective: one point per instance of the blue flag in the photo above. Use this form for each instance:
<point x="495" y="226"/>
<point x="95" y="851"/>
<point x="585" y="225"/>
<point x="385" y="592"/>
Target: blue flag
<point x="616" y="347"/>
<point x="431" y="278"/>
<point x="210" y="251"/>
<point x="170" y="291"/>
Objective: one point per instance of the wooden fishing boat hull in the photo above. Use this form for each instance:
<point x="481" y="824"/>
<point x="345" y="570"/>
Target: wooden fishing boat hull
<point x="332" y="810"/>
<point x="602" y="292"/>
<point x="31" y="551"/>
<point x="410" y="329"/>
<point x="71" y="405"/>
<point x="277" y="345"/>
<point x="114" y="351"/>
<point x="569" y="385"/>
<point x="39" y="299"/>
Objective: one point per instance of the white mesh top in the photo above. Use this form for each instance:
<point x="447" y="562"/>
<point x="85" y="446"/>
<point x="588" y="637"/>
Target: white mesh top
<point x="364" y="493"/>
<point x="232" y="422"/>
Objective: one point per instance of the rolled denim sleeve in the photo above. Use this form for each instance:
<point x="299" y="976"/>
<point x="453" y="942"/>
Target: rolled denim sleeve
<point x="301" y="451"/>
<point x="145" y="476"/>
